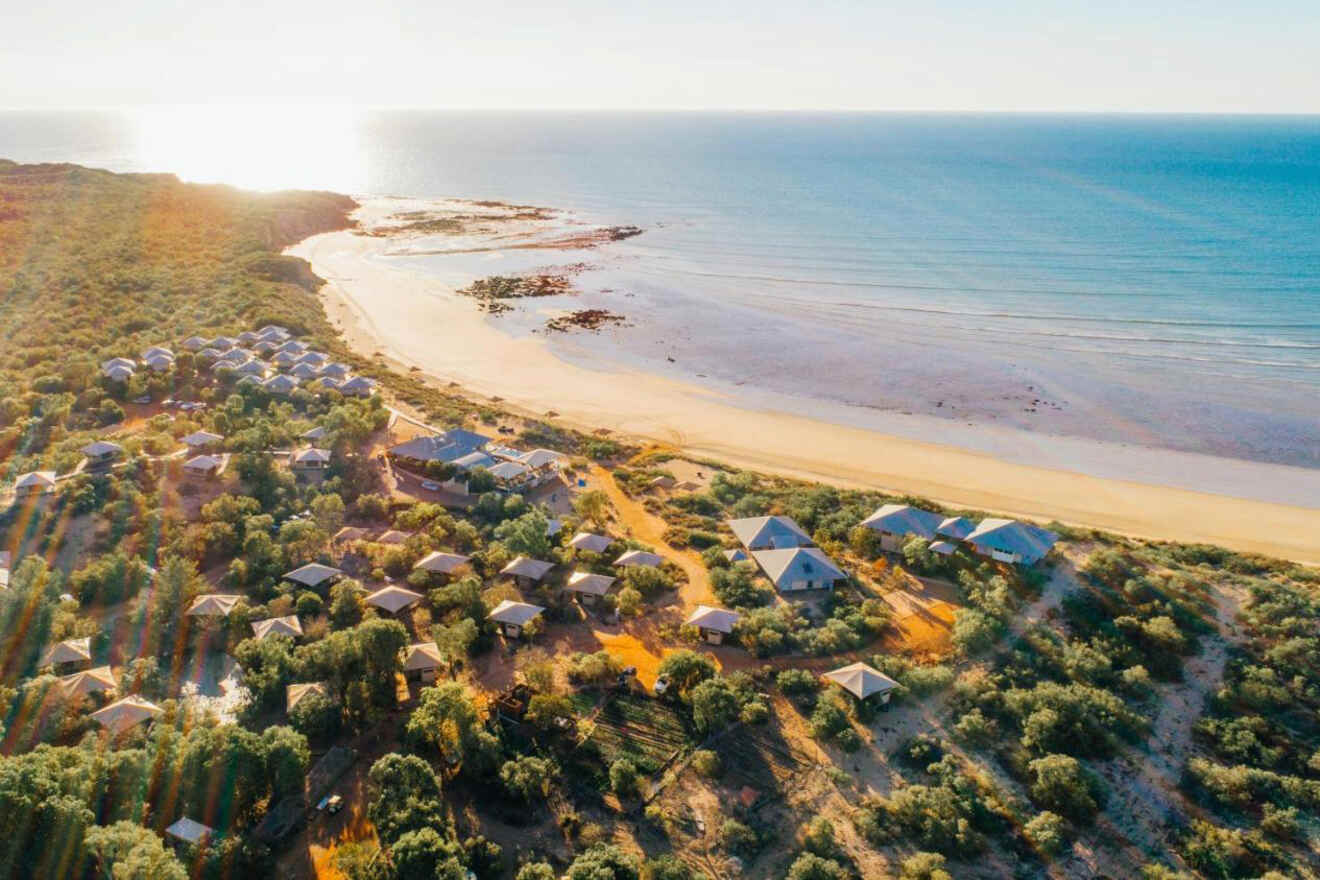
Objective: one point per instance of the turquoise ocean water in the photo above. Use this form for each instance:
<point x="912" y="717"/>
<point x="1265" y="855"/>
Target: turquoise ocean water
<point x="1150" y="280"/>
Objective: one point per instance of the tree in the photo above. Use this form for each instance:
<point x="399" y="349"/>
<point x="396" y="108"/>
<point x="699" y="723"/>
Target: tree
<point x="527" y="778"/>
<point x="593" y="506"/>
<point x="974" y="631"/>
<point x="448" y="720"/>
<point x="924" y="866"/>
<point x="819" y="837"/>
<point x="623" y="777"/>
<point x="328" y="511"/>
<point x="224" y="758"/>
<point x="810" y="866"/>
<point x="287" y="759"/>
<point x="527" y="535"/>
<point x="535" y="871"/>
<point x="127" y="851"/>
<point x="714" y="705"/>
<point x="418" y="854"/>
<point x="546" y="710"/>
<point x="604" y="862"/>
<point x="1047" y="832"/>
<point x="1060" y="783"/>
<point x="686" y="669"/>
<point x="405" y="796"/>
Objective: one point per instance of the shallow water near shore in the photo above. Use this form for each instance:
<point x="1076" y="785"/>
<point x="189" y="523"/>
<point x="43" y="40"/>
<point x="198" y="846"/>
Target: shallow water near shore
<point x="1149" y="281"/>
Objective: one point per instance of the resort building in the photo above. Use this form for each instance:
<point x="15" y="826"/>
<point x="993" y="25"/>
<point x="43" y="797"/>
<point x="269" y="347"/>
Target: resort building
<point x="590" y="543"/>
<point x="441" y="563"/>
<point x="513" y="617"/>
<point x="157" y="351"/>
<point x="125" y="713"/>
<point x="305" y="372"/>
<point x="296" y="693"/>
<point x="897" y="523"/>
<point x="1007" y="540"/>
<point x="349" y="534"/>
<point x="199" y="441"/>
<point x="213" y="605"/>
<point x="311" y="459"/>
<point x="289" y="625"/>
<point x="446" y="448"/>
<point x="713" y="623"/>
<point x="34" y="483"/>
<point x="222" y="343"/>
<point x="736" y="555"/>
<point x="187" y="831"/>
<point x="194" y="343"/>
<point x="526" y="571"/>
<point x="422" y="661"/>
<point x="638" y="558"/>
<point x="314" y="575"/>
<point x="862" y="681"/>
<point x="203" y="465"/>
<point x="358" y="386"/>
<point x="159" y="363"/>
<point x="799" y="568"/>
<point x="280" y="384"/>
<point x="955" y="528"/>
<point x="118" y="373"/>
<point x="68" y="653"/>
<point x="125" y="363"/>
<point x="101" y="453"/>
<point x="588" y="585"/>
<point x="313" y="434"/>
<point x="89" y="681"/>
<point x="393" y="599"/>
<point x="769" y="533"/>
<point x="393" y="537"/>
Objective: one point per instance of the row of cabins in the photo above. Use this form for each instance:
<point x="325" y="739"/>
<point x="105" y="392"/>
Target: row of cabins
<point x="1003" y="540"/>
<point x="514" y="470"/>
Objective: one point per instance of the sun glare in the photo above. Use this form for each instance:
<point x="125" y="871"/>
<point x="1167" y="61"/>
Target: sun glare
<point x="254" y="147"/>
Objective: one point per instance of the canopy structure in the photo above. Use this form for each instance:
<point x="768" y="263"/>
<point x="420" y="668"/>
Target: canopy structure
<point x="35" y="482"/>
<point x="313" y="574"/>
<point x="69" y="651"/>
<point x="904" y="519"/>
<point x="202" y="439"/>
<point x="101" y="449"/>
<point x="393" y="536"/>
<point x="424" y="655"/>
<point x="204" y="464"/>
<point x="393" y="599"/>
<point x="213" y="605"/>
<point x="590" y="543"/>
<point x="861" y="680"/>
<point x="89" y="681"/>
<point x="769" y="532"/>
<point x="638" y="558"/>
<point x="443" y="563"/>
<point x="717" y="619"/>
<point x="589" y="583"/>
<point x="349" y="534"/>
<point x="125" y="713"/>
<point x="515" y="613"/>
<point x="277" y="626"/>
<point x="296" y="693"/>
<point x="189" y="831"/>
<point x="524" y="567"/>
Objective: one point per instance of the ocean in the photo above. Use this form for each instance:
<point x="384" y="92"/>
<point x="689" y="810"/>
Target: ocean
<point x="1146" y="280"/>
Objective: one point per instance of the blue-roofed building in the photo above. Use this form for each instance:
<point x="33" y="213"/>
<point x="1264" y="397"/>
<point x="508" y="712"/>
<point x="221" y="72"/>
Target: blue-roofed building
<point x="448" y="447"/>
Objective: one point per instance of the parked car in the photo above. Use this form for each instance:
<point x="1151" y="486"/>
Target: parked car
<point x="430" y="485"/>
<point x="330" y="804"/>
<point x="661" y="686"/>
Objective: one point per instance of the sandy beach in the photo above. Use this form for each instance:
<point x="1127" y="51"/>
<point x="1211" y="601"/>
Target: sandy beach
<point x="417" y="320"/>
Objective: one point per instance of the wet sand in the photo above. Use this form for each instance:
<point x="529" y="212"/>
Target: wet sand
<point x="417" y="320"/>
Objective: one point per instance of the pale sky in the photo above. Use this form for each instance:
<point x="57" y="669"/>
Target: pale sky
<point x="1024" y="55"/>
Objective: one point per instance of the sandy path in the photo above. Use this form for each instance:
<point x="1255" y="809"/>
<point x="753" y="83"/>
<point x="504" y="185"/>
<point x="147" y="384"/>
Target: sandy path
<point x="418" y="321"/>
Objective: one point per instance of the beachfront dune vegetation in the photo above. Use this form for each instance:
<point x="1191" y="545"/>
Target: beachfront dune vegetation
<point x="1127" y="707"/>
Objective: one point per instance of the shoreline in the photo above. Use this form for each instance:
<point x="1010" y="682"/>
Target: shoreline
<point x="418" y="321"/>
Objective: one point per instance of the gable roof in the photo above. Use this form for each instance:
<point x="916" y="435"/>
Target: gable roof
<point x="767" y="532"/>
<point x="68" y="651"/>
<point x="956" y="527"/>
<point x="590" y="583"/>
<point x="508" y="470"/>
<point x="280" y="384"/>
<point x="516" y="613"/>
<point x="441" y="562"/>
<point x="311" y="454"/>
<point x="717" y="619"/>
<point x="124" y="713"/>
<point x="393" y="536"/>
<point x="89" y="681"/>
<point x="44" y="479"/>
<point x="201" y="438"/>
<point x="393" y="599"/>
<point x="424" y="655"/>
<point x="312" y="574"/>
<point x="861" y="680"/>
<point x="539" y="458"/>
<point x="473" y="460"/>
<point x="737" y="554"/>
<point x="639" y="558"/>
<point x="288" y="625"/>
<point x="349" y="533"/>
<point x="295" y="693"/>
<point x="211" y="604"/>
<point x="528" y="568"/>
<point x="447" y="447"/>
<point x="204" y="463"/>
<point x="794" y="563"/>
<point x="118" y="373"/>
<point x="117" y="362"/>
<point x="100" y="447"/>
<point x="1029" y="542"/>
<point x="903" y="519"/>
<point x="589" y="542"/>
<point x="358" y="385"/>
